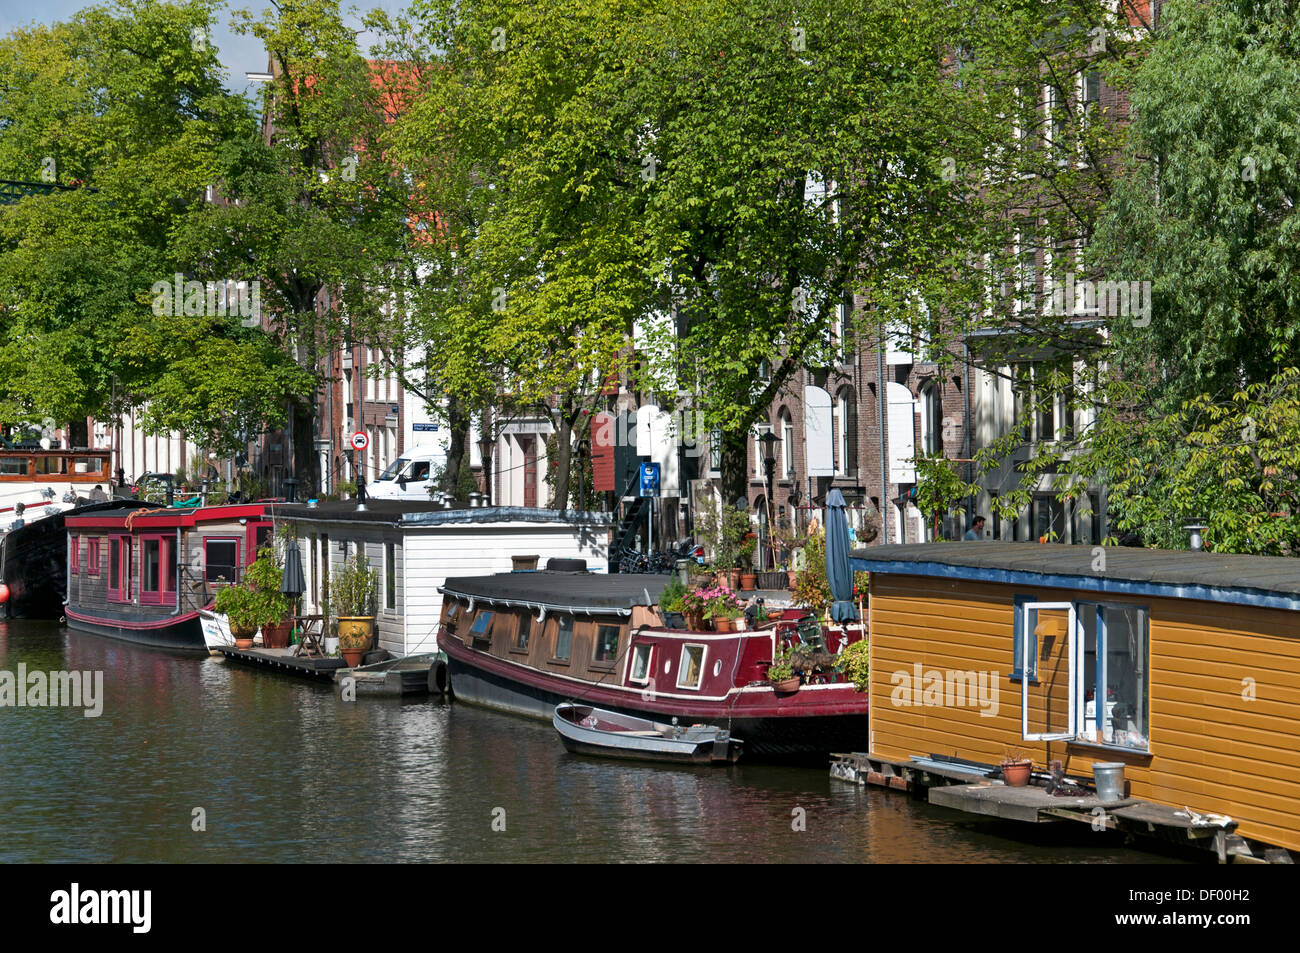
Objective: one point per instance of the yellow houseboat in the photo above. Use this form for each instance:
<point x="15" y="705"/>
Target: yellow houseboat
<point x="1182" y="666"/>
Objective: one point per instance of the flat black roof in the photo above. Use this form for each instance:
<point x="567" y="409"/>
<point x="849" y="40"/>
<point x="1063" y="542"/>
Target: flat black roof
<point x="1217" y="577"/>
<point x="571" y="591"/>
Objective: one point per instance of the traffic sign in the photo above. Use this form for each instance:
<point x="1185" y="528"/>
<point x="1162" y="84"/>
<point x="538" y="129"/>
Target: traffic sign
<point x="650" y="479"/>
<point x="359" y="440"/>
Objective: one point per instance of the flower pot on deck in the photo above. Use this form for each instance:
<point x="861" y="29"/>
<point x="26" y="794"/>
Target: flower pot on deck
<point x="724" y="625"/>
<point x="786" y="685"/>
<point x="276" y="636"/>
<point x="748" y="581"/>
<point x="1016" y="773"/>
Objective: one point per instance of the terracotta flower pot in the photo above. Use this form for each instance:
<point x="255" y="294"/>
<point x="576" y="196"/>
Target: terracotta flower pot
<point x="276" y="636"/>
<point x="786" y="686"/>
<point x="724" y="625"/>
<point x="694" y="621"/>
<point x="352" y="657"/>
<point x="1016" y="773"/>
<point x="747" y="580"/>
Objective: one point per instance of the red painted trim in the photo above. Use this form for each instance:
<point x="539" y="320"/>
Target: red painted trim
<point x="171" y="519"/>
<point x="92" y="556"/>
<point x="121" y="624"/>
<point x="29" y="506"/>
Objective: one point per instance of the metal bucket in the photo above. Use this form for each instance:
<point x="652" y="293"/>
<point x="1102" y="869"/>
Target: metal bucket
<point x="1109" y="776"/>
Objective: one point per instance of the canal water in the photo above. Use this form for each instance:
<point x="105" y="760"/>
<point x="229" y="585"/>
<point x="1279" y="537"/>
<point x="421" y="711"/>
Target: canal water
<point x="196" y="760"/>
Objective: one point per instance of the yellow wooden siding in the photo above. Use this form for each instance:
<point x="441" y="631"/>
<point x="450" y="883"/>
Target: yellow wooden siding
<point x="1212" y="746"/>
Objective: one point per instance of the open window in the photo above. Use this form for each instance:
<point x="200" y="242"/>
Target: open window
<point x="691" y="670"/>
<point x="641" y="667"/>
<point x="119" y="569"/>
<point x="157" y="570"/>
<point x="1048" y="705"/>
<point x="481" y="630"/>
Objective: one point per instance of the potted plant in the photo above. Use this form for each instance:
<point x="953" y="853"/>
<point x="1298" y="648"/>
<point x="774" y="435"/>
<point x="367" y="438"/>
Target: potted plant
<point x="353" y="591"/>
<point x="748" y="577"/>
<point x="716" y="604"/>
<point x="812" y="589"/>
<point x="255" y="601"/>
<point x="855" y="663"/>
<point x="672" y="603"/>
<point x="265" y="576"/>
<point x="1016" y="769"/>
<point x="781" y="672"/>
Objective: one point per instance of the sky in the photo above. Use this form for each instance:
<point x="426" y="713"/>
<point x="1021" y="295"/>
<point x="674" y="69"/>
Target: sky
<point x="239" y="54"/>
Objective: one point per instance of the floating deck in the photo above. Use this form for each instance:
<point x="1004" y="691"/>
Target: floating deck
<point x="285" y="661"/>
<point x="412" y="675"/>
<point x="964" y="786"/>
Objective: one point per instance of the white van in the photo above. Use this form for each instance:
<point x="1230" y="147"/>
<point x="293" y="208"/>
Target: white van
<point x="409" y="477"/>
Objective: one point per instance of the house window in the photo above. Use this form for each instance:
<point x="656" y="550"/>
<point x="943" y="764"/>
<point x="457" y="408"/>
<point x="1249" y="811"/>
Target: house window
<point x="844" y="428"/>
<point x="759" y="431"/>
<point x="715" y="450"/>
<point x="641" y="664"/>
<point x="92" y="557"/>
<point x="691" y="669"/>
<point x="563" y="638"/>
<point x="119" y="569"/>
<point x="390" y="577"/>
<point x="221" y="560"/>
<point x="931" y="420"/>
<point x="787" y="446"/>
<point x="606" y="643"/>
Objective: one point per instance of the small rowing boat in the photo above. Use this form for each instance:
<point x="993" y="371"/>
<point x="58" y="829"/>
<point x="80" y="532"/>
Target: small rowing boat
<point x="595" y="731"/>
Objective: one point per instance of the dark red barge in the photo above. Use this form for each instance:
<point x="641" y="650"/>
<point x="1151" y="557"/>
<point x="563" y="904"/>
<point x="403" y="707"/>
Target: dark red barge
<point x="524" y="642"/>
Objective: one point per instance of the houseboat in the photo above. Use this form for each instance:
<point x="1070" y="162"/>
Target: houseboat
<point x="34" y="562"/>
<point x="1183" y="667"/>
<point x="414" y="546"/>
<point x="35" y="481"/>
<point x="143" y="575"/>
<point x="525" y="642"/>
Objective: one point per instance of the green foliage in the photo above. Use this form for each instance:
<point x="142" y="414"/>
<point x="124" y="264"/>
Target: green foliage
<point x="781" y="667"/>
<point x="855" y="662"/>
<point x="724" y="528"/>
<point x="354" y="588"/>
<point x="256" y="600"/>
<point x="812" y="589"/>
<point x="672" y="599"/>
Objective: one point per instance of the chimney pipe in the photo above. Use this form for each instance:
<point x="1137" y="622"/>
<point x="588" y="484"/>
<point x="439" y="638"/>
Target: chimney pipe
<point x="1195" y="529"/>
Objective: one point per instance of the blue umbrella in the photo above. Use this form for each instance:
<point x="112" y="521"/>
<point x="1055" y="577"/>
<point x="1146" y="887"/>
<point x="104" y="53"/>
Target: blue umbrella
<point x="838" y="572"/>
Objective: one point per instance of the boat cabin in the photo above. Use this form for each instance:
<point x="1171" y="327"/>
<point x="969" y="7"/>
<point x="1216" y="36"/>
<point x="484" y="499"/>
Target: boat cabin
<point x="1182" y="666"/>
<point x="143" y="575"/>
<point x="39" y="479"/>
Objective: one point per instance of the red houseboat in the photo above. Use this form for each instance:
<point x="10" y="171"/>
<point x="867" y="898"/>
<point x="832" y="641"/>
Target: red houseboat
<point x="143" y="575"/>
<point x="524" y="642"/>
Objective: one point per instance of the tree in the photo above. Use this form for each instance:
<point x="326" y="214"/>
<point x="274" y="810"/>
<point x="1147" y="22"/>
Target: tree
<point x="123" y="111"/>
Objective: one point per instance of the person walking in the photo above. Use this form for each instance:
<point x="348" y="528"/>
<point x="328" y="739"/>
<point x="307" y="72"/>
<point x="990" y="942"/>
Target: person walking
<point x="976" y="531"/>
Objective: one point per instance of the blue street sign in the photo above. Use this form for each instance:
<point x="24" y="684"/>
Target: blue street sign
<point x="649" y="479"/>
<point x="427" y="428"/>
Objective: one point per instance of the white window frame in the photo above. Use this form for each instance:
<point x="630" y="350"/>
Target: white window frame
<point x="1074" y="648"/>
<point x="682" y="667"/>
<point x="649" y="663"/>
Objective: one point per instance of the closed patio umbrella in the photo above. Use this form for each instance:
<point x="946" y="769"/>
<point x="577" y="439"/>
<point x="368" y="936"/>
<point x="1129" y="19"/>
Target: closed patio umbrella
<point x="838" y="572"/>
<point x="293" y="584"/>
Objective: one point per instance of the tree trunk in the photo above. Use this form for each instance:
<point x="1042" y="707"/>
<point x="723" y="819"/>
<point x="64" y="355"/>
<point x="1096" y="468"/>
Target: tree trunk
<point x="563" y="461"/>
<point x="307" y="465"/>
<point x="458" y="437"/>
<point x="735" y="466"/>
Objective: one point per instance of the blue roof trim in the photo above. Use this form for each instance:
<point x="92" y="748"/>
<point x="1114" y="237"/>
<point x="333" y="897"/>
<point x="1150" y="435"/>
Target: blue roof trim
<point x="1244" y="597"/>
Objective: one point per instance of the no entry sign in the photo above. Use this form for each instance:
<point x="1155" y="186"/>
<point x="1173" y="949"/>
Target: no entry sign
<point x="359" y="441"/>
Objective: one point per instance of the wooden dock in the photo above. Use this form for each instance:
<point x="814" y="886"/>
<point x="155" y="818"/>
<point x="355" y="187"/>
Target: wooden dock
<point x="285" y="661"/>
<point x="965" y="786"/>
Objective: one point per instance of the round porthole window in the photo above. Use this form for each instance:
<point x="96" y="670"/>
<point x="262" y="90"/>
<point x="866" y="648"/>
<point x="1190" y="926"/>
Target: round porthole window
<point x="717" y="668"/>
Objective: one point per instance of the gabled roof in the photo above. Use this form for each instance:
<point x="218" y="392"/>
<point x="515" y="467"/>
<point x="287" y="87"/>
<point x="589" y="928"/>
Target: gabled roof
<point x="1270" y="581"/>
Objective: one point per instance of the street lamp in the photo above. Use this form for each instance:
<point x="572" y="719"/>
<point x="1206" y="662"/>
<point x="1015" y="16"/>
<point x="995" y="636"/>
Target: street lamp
<point x="769" y="466"/>
<point x="485" y="450"/>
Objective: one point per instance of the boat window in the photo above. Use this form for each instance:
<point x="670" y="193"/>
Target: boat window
<point x="691" y="669"/>
<point x="92" y="557"/>
<point x="525" y="620"/>
<point x="50" y="464"/>
<point x="14" y="466"/>
<point x="606" y="643"/>
<point x="263" y="537"/>
<point x="1115" y="653"/>
<point x="119" y="573"/>
<point x="86" y="465"/>
<point x="564" y="638"/>
<point x="480" y="628"/>
<point x="641" y="663"/>
<point x="390" y="576"/>
<point x="221" y="560"/>
<point x="75" y="564"/>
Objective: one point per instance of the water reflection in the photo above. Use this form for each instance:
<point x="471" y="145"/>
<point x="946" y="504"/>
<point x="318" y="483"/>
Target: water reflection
<point x="284" y="771"/>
